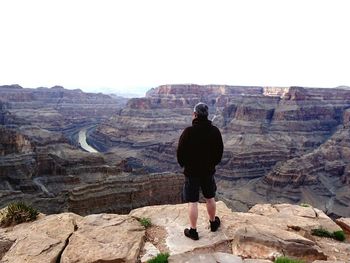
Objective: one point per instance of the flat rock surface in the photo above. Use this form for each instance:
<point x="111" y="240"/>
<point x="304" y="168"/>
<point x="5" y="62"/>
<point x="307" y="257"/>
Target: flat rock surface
<point x="242" y="237"/>
<point x="105" y="238"/>
<point x="174" y="219"/>
<point x="289" y="216"/>
<point x="42" y="240"/>
<point x="253" y="234"/>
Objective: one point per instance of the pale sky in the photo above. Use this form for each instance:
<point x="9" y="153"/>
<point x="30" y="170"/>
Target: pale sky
<point x="129" y="45"/>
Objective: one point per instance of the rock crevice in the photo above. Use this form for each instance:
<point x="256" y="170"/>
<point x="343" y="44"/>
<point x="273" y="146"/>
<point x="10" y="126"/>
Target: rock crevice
<point x="59" y="256"/>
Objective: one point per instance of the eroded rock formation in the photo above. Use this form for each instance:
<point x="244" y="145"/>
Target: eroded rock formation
<point x="59" y="177"/>
<point x="281" y="144"/>
<point x="41" y="163"/>
<point x="263" y="234"/>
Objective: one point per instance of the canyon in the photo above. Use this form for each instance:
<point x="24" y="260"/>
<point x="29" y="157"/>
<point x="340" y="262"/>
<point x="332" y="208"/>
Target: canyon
<point x="282" y="145"/>
<point x="43" y="163"/>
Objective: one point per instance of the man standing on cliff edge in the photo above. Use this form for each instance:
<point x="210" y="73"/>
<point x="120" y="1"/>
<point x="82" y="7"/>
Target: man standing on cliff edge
<point x="199" y="150"/>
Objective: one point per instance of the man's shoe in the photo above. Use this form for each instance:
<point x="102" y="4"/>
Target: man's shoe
<point x="191" y="233"/>
<point x="215" y="224"/>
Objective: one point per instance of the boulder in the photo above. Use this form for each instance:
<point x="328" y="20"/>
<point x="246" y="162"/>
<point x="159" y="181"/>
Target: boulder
<point x="42" y="240"/>
<point x="344" y="223"/>
<point x="295" y="217"/>
<point x="269" y="242"/>
<point x="105" y="238"/>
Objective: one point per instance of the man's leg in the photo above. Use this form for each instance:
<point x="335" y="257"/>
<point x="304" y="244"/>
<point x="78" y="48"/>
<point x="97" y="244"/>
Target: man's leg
<point x="191" y="194"/>
<point x="211" y="208"/>
<point x="193" y="214"/>
<point x="209" y="188"/>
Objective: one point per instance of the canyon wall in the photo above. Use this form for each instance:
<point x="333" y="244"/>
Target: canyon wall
<point x="282" y="144"/>
<point x="41" y="162"/>
<point x="270" y="135"/>
<point x="59" y="177"/>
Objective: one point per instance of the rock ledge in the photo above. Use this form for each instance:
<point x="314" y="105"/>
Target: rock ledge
<point x="264" y="233"/>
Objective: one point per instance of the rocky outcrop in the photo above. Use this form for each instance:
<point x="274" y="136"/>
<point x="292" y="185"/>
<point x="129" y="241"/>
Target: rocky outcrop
<point x="261" y="235"/>
<point x="40" y="241"/>
<point x="344" y="223"/>
<point x="61" y="178"/>
<point x="105" y="238"/>
<point x="12" y="142"/>
<point x="265" y="232"/>
<point x="325" y="169"/>
<point x="70" y="238"/>
<point x="38" y="166"/>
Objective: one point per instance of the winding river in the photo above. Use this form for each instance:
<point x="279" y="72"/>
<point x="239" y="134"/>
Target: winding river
<point x="83" y="143"/>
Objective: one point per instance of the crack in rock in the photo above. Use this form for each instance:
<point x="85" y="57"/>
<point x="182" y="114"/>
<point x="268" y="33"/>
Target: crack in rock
<point x="58" y="260"/>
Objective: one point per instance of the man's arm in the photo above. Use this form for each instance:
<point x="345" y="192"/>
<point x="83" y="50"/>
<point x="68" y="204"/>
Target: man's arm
<point x="219" y="147"/>
<point x="182" y="148"/>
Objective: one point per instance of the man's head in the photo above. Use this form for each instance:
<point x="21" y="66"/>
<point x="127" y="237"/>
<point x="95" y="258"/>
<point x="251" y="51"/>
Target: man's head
<point x="201" y="110"/>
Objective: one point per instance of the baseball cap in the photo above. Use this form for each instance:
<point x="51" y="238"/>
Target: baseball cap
<point x="201" y="109"/>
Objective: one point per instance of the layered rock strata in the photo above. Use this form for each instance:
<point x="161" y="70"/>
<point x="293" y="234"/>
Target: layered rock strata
<point x="13" y="142"/>
<point x="59" y="177"/>
<point x="270" y="134"/>
<point x="281" y="144"/>
<point x="40" y="161"/>
<point x="56" y="108"/>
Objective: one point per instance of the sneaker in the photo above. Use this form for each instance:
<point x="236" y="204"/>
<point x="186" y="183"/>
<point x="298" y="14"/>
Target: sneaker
<point x="191" y="233"/>
<point x="215" y="224"/>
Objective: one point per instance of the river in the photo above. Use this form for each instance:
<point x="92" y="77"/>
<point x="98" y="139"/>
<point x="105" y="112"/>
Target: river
<point x="83" y="143"/>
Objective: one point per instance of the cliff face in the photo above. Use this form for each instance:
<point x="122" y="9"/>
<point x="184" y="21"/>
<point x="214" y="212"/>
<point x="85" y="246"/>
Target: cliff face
<point x="56" y="108"/>
<point x="268" y="133"/>
<point x="13" y="142"/>
<point x="263" y="234"/>
<point x="281" y="145"/>
<point x="58" y="177"/>
<point x="40" y="161"/>
<point x="323" y="173"/>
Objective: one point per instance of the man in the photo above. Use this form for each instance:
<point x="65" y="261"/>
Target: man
<point x="199" y="150"/>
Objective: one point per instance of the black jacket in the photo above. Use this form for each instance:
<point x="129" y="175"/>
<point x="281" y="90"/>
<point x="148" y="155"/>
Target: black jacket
<point x="200" y="148"/>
